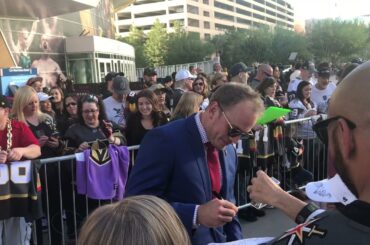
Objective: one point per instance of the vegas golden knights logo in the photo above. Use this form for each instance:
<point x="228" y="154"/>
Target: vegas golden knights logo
<point x="100" y="156"/>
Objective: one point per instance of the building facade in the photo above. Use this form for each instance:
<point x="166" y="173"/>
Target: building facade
<point x="206" y="17"/>
<point x="36" y="34"/>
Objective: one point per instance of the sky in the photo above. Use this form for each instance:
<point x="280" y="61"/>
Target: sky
<point x="319" y="9"/>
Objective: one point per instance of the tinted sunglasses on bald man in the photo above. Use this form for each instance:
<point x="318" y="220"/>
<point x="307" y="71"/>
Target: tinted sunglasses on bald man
<point x="321" y="128"/>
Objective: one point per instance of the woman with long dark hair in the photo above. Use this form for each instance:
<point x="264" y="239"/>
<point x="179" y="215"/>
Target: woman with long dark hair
<point x="147" y="117"/>
<point x="92" y="125"/>
<point x="302" y="107"/>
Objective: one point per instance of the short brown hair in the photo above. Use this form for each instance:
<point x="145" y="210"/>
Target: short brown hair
<point x="144" y="220"/>
<point x="233" y="93"/>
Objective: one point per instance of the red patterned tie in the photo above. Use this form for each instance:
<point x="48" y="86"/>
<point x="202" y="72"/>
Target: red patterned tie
<point x="214" y="167"/>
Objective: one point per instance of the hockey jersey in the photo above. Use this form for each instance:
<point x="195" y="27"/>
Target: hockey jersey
<point x="102" y="173"/>
<point x="20" y="190"/>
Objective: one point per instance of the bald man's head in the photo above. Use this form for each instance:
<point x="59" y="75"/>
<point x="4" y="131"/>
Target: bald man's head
<point x="351" y="98"/>
<point x="264" y="70"/>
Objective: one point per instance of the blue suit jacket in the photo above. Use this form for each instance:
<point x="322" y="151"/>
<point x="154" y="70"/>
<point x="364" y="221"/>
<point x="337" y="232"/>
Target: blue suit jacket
<point x="171" y="164"/>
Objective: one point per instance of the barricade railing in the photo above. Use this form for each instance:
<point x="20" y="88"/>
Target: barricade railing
<point x="65" y="210"/>
<point x="293" y="155"/>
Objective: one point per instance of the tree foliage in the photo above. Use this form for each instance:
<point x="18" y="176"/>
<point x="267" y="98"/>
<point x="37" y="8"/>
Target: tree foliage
<point x="337" y="40"/>
<point x="331" y="40"/>
<point x="137" y="39"/>
<point x="156" y="45"/>
<point x="285" y="42"/>
<point x="186" y="48"/>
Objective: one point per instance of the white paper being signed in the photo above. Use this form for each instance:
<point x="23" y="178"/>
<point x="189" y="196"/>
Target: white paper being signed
<point x="249" y="241"/>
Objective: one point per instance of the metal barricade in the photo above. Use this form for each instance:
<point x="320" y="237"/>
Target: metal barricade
<point x="64" y="210"/>
<point x="292" y="154"/>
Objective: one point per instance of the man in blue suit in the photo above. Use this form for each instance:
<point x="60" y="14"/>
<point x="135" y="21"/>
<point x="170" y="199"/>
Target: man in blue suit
<point x="172" y="164"/>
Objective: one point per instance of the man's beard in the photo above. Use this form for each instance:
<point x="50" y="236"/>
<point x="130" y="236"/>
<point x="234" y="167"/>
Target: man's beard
<point x="342" y="168"/>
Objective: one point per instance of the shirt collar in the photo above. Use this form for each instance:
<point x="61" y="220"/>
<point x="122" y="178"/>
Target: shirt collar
<point x="201" y="129"/>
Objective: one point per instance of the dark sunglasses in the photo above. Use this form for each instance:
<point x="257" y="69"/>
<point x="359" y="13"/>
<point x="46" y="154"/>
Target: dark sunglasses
<point x="198" y="84"/>
<point x="321" y="128"/>
<point x="72" y="103"/>
<point x="267" y="74"/>
<point x="233" y="132"/>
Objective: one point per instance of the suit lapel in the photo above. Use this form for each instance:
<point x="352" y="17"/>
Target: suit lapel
<point x="197" y="147"/>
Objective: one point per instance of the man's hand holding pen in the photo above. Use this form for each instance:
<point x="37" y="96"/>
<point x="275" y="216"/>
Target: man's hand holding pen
<point x="216" y="212"/>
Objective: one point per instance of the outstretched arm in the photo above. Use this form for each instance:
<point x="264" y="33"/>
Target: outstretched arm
<point x="265" y="190"/>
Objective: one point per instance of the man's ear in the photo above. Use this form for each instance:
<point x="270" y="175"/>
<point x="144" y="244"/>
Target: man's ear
<point x="348" y="141"/>
<point x="213" y="108"/>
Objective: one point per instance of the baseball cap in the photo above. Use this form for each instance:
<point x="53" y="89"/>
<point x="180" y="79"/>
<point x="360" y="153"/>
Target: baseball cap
<point x="4" y="102"/>
<point x="323" y="69"/>
<point x="167" y="79"/>
<point x="330" y="191"/>
<point x="43" y="96"/>
<point x="236" y="68"/>
<point x="308" y="65"/>
<point x="110" y="76"/>
<point x="121" y="85"/>
<point x="183" y="74"/>
<point x="149" y="71"/>
<point x="32" y="80"/>
<point x="157" y="86"/>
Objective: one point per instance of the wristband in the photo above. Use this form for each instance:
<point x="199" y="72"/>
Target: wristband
<point x="305" y="213"/>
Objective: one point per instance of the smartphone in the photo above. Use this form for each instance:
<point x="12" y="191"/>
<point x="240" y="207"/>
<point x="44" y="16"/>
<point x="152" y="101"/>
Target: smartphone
<point x="40" y="133"/>
<point x="55" y="135"/>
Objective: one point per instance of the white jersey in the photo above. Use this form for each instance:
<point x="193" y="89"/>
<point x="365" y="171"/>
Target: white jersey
<point x="114" y="111"/>
<point x="321" y="97"/>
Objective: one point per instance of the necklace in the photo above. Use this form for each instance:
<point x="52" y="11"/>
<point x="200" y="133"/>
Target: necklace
<point x="9" y="136"/>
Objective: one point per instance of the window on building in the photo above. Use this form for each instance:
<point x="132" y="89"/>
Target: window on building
<point x="149" y="14"/>
<point x="222" y="27"/>
<point x="273" y="6"/>
<point x="193" y="22"/>
<point x="270" y="12"/>
<point x="207" y="36"/>
<point x="258" y="8"/>
<point x="281" y="16"/>
<point x="223" y="6"/>
<point x="258" y="16"/>
<point x="260" y="1"/>
<point x="244" y="3"/>
<point x="124" y="28"/>
<point x="172" y="22"/>
<point x="281" y="10"/>
<point x="243" y="12"/>
<point x="176" y="9"/>
<point x="243" y="21"/>
<point x="281" y="2"/>
<point x="124" y="16"/>
<point x="271" y="20"/>
<point x="206" y="13"/>
<point x="206" y="1"/>
<point x="193" y="9"/>
<point x="222" y="16"/>
<point x="207" y="25"/>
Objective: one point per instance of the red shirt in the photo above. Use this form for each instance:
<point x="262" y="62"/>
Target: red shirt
<point x="22" y="136"/>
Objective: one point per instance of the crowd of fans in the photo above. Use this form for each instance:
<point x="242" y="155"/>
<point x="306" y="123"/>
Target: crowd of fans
<point x="66" y="123"/>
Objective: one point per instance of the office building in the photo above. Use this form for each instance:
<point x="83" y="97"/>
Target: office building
<point x="206" y="17"/>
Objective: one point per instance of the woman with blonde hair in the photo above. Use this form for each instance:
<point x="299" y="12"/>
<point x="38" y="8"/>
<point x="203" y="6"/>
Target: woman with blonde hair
<point x="189" y="103"/>
<point x="200" y="86"/>
<point x="144" y="220"/>
<point x="26" y="108"/>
